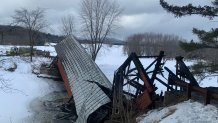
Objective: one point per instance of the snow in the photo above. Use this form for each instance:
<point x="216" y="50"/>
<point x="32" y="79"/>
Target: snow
<point x="48" y="76"/>
<point x="50" y="48"/>
<point x="109" y="60"/>
<point x="112" y="58"/>
<point x="185" y="112"/>
<point x="22" y="86"/>
<point x="209" y="82"/>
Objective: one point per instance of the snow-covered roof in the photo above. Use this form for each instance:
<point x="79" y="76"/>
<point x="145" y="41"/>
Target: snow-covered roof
<point x="79" y="68"/>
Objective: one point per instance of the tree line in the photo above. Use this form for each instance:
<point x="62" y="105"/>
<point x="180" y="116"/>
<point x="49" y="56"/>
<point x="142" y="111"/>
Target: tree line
<point x="152" y="43"/>
<point x="16" y="35"/>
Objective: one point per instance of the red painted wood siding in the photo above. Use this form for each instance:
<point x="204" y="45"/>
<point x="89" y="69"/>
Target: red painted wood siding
<point x="64" y="77"/>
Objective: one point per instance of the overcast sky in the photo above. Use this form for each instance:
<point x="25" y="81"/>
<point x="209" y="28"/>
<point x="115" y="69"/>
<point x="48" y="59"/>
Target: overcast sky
<point x="138" y="16"/>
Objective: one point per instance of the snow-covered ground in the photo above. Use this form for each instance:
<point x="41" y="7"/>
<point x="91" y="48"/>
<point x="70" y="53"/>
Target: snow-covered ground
<point x="25" y="87"/>
<point x="50" y="48"/>
<point x="20" y="88"/>
<point x="185" y="112"/>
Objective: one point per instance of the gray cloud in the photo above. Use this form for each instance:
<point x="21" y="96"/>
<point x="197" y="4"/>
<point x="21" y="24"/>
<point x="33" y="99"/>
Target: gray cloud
<point x="140" y="6"/>
<point x="138" y="16"/>
<point x="149" y="16"/>
<point x="164" y="23"/>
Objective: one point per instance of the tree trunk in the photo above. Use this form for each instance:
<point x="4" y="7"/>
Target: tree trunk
<point x="31" y="53"/>
<point x="31" y="46"/>
<point x="94" y="55"/>
<point x="2" y="37"/>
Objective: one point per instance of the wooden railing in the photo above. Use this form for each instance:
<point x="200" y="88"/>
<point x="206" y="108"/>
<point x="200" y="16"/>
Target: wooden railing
<point x="205" y="92"/>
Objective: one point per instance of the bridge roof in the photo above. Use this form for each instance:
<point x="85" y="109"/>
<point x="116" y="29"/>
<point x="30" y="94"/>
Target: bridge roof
<point x="79" y="67"/>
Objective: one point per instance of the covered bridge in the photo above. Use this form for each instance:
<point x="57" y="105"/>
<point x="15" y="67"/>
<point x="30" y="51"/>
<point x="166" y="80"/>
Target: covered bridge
<point x="78" y="70"/>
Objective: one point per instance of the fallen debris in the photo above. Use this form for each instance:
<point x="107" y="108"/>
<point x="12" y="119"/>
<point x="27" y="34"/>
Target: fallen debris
<point x="132" y="93"/>
<point x="12" y="68"/>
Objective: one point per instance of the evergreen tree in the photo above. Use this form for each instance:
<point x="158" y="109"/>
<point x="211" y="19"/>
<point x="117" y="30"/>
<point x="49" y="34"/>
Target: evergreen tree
<point x="207" y="39"/>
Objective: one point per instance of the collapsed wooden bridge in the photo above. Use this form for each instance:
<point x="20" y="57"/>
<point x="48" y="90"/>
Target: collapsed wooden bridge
<point x="133" y="90"/>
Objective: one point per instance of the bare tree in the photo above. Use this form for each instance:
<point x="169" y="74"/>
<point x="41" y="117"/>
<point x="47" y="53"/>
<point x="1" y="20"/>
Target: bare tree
<point x="33" y="21"/>
<point x="134" y="44"/>
<point x="99" y="20"/>
<point x="68" y="25"/>
<point x="152" y="43"/>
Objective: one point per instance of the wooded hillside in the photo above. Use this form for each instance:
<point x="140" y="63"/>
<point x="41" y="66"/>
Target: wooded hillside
<point x="15" y="35"/>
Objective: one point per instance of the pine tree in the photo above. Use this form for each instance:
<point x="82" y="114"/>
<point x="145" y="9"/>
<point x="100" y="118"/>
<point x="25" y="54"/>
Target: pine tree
<point x="207" y="39"/>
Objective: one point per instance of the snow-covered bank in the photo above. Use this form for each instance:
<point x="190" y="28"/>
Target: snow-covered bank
<point x="185" y="112"/>
<point x="22" y="87"/>
<point x="25" y="87"/>
<point x="50" y="48"/>
<point x="109" y="60"/>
